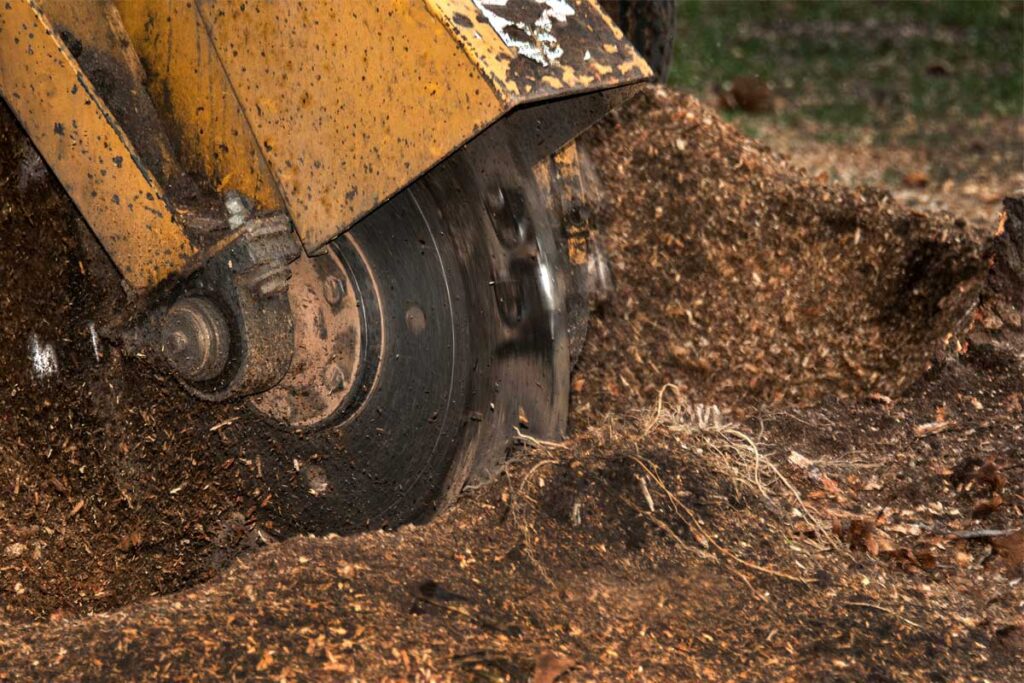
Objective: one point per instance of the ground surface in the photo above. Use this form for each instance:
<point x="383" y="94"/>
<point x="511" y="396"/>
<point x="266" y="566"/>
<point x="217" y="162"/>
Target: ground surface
<point x="841" y="67"/>
<point x="921" y="98"/>
<point x="797" y="446"/>
<point x="797" y="452"/>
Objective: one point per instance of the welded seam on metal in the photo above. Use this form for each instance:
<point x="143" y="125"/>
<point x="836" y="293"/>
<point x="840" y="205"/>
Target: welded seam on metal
<point x="245" y="114"/>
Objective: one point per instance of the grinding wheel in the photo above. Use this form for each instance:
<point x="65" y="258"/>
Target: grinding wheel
<point x="448" y="333"/>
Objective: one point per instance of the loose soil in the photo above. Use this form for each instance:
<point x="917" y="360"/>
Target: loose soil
<point x="797" y="453"/>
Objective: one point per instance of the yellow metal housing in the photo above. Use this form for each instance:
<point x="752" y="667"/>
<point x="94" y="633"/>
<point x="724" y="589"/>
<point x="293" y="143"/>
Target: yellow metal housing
<point x="78" y="136"/>
<point x="320" y="108"/>
<point x="351" y="102"/>
<point x="189" y="86"/>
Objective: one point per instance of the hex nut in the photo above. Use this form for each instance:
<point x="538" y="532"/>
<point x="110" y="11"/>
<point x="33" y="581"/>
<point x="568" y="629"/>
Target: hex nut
<point x="334" y="378"/>
<point x="334" y="289"/>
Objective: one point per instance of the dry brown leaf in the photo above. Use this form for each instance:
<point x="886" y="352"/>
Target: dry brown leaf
<point x="925" y="558"/>
<point x="883" y="544"/>
<point x="859" y="533"/>
<point x="986" y="507"/>
<point x="990" y="475"/>
<point x="830" y="486"/>
<point x="916" y="179"/>
<point x="1011" y="549"/>
<point x="551" y="665"/>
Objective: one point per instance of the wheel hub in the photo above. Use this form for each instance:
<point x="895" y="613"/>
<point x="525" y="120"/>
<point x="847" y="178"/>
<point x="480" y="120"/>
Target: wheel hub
<point x="405" y="354"/>
<point x="336" y="341"/>
<point x="195" y="339"/>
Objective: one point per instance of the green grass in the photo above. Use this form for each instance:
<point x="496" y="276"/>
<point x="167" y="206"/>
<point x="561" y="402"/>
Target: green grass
<point x="846" y="63"/>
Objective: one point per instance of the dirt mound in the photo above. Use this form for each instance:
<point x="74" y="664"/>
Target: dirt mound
<point x="847" y="513"/>
<point x="998" y="324"/>
<point x="670" y="545"/>
<point x="114" y="484"/>
<point x="747" y="282"/>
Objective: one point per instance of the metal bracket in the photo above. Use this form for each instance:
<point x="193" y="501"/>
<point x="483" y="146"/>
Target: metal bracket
<point x="248" y="284"/>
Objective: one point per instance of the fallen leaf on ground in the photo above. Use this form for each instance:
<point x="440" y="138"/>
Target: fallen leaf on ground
<point x="916" y="179"/>
<point x="987" y="506"/>
<point x="550" y="666"/>
<point x="990" y="475"/>
<point x="1010" y="549"/>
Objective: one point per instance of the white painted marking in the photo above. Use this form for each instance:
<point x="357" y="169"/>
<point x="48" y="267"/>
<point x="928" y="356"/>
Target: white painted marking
<point x="540" y="44"/>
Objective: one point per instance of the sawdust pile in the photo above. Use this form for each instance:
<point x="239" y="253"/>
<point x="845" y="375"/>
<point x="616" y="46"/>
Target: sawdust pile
<point x="745" y="281"/>
<point x="854" y="517"/>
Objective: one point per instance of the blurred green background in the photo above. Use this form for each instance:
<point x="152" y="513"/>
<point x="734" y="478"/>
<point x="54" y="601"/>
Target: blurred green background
<point x="900" y="68"/>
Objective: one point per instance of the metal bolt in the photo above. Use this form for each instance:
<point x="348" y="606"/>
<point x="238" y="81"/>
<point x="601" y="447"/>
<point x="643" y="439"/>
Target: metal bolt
<point x="335" y="378"/>
<point x="176" y="343"/>
<point x="415" y="319"/>
<point x="334" y="289"/>
<point x="195" y="339"/>
<point x="508" y="215"/>
<point x="495" y="200"/>
<point x="237" y="207"/>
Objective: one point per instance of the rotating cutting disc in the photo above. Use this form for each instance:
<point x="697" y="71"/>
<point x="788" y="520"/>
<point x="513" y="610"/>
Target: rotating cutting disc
<point x="452" y="327"/>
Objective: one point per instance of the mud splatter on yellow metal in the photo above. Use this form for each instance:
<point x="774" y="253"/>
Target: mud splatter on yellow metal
<point x="349" y="102"/>
<point x="321" y="108"/>
<point x="590" y="47"/>
<point x="577" y="225"/>
<point x="85" y="147"/>
<point x="191" y="89"/>
<point x="352" y="102"/>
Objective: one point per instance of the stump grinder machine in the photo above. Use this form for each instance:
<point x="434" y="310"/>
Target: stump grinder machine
<point x="366" y="219"/>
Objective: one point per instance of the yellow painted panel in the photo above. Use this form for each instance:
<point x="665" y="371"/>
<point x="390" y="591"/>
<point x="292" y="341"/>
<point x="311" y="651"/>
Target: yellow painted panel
<point x="531" y="51"/>
<point x="191" y="90"/>
<point x="349" y="101"/>
<point x="78" y="137"/>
